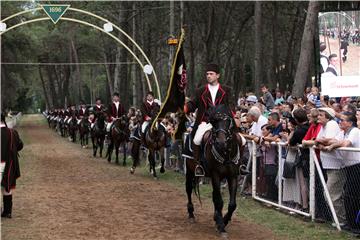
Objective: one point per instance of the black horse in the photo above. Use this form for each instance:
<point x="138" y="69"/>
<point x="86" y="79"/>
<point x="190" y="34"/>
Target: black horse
<point x="222" y="150"/>
<point x="98" y="134"/>
<point x="84" y="130"/>
<point x="72" y="128"/>
<point x="119" y="134"/>
<point x="61" y="127"/>
<point x="155" y="141"/>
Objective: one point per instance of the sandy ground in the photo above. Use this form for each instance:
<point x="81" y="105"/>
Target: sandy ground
<point x="64" y="193"/>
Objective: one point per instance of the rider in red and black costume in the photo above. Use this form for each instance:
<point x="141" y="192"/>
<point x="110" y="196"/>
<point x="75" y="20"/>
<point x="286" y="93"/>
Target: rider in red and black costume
<point x="83" y="112"/>
<point x="115" y="111"/>
<point x="206" y="97"/>
<point x="148" y="110"/>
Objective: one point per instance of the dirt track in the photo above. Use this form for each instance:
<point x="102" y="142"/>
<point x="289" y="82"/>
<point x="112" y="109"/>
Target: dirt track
<point x="64" y="193"/>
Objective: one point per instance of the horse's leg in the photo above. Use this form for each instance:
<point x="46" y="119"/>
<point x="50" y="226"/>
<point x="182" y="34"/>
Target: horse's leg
<point x="94" y="141"/>
<point x="117" y="145"/>
<point x="152" y="162"/>
<point x="135" y="150"/>
<point x="109" y="151"/>
<point x="189" y="188"/>
<point x="232" y="183"/>
<point x="101" y="144"/>
<point x="218" y="203"/>
<point x="162" y="157"/>
<point x="124" y="149"/>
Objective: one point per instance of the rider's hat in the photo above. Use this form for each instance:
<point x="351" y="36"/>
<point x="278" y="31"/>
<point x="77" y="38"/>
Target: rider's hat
<point x="213" y="67"/>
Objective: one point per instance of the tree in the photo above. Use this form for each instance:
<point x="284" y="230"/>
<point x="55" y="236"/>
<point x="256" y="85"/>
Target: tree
<point x="307" y="47"/>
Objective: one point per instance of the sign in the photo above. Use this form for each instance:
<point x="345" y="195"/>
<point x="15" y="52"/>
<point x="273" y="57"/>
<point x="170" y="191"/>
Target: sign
<point x="55" y="11"/>
<point x="172" y="41"/>
<point x="340" y="86"/>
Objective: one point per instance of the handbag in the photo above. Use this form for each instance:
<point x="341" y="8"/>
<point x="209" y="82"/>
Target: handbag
<point x="290" y="167"/>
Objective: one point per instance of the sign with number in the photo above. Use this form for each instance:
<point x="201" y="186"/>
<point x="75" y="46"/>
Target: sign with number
<point x="55" y="11"/>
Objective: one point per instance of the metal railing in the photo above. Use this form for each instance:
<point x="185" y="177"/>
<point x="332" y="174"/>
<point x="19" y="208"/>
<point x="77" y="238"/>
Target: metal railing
<point x="314" y="167"/>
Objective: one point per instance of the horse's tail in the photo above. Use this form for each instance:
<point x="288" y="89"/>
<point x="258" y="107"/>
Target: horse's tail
<point x="196" y="186"/>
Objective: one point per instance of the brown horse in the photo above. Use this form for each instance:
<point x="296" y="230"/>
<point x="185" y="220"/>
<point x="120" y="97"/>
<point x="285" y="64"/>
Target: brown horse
<point x="155" y="141"/>
<point x="222" y="152"/>
<point x="119" y="134"/>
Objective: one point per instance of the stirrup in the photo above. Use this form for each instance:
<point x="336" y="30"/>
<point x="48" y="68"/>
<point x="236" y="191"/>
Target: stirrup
<point x="199" y="171"/>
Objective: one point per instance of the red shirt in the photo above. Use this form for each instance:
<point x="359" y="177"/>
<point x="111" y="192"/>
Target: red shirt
<point x="311" y="134"/>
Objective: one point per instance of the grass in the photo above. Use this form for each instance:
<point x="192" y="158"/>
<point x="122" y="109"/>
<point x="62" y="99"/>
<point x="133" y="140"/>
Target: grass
<point x="284" y="226"/>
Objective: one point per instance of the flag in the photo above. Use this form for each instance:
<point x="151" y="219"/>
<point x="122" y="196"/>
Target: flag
<point x="175" y="95"/>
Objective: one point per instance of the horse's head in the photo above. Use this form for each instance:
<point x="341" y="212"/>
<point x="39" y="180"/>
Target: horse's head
<point x="222" y="130"/>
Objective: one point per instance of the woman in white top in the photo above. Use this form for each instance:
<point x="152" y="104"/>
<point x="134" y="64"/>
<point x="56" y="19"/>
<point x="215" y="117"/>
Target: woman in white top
<point x="350" y="137"/>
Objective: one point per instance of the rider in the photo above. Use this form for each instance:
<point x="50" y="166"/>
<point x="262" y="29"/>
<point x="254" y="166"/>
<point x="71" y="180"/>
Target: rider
<point x="83" y="111"/>
<point x="210" y="95"/>
<point x="115" y="111"/>
<point x="148" y="110"/>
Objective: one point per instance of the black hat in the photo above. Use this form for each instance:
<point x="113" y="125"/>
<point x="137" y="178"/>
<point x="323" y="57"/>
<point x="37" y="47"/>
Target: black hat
<point x="150" y="93"/>
<point x="116" y="94"/>
<point x="98" y="99"/>
<point x="213" y="67"/>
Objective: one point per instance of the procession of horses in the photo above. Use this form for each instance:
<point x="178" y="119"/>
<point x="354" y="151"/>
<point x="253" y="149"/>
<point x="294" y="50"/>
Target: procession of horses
<point x="221" y="156"/>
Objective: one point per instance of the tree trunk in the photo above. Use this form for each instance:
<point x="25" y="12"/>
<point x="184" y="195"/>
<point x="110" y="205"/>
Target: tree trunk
<point x="48" y="103"/>
<point x="133" y="66"/>
<point x="258" y="48"/>
<point x="78" y="84"/>
<point x="302" y="71"/>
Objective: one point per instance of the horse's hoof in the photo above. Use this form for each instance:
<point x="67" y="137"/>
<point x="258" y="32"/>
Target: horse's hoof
<point x="191" y="220"/>
<point x="156" y="178"/>
<point x="132" y="170"/>
<point x="162" y="170"/>
<point x="109" y="160"/>
<point x="224" y="235"/>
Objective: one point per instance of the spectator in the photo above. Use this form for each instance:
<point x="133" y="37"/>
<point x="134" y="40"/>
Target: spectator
<point x="267" y="98"/>
<point x="270" y="163"/>
<point x="10" y="145"/>
<point x="335" y="175"/>
<point x="296" y="189"/>
<point x="279" y="98"/>
<point x="349" y="137"/>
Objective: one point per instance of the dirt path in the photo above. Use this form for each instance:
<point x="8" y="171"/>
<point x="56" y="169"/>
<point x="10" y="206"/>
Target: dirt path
<point x="66" y="194"/>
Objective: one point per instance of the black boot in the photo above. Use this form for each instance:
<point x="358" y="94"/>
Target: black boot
<point x="199" y="170"/>
<point x="7" y="206"/>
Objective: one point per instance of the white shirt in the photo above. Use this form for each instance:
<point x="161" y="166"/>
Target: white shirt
<point x="213" y="91"/>
<point x="2" y="125"/>
<point x="117" y="105"/>
<point x="256" y="127"/>
<point x="329" y="159"/>
<point x="256" y="130"/>
<point x="349" y="158"/>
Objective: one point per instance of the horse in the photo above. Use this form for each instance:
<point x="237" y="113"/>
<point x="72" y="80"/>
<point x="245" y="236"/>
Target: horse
<point x="98" y="134"/>
<point x="155" y="141"/>
<point x="223" y="152"/>
<point x="119" y="134"/>
<point x="72" y="128"/>
<point x="84" y="130"/>
<point x="61" y="127"/>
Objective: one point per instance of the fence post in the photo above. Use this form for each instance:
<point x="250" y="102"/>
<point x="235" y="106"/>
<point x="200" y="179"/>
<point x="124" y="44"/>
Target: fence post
<point x="253" y="153"/>
<point x="312" y="186"/>
<point x="326" y="191"/>
<point x="279" y="173"/>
